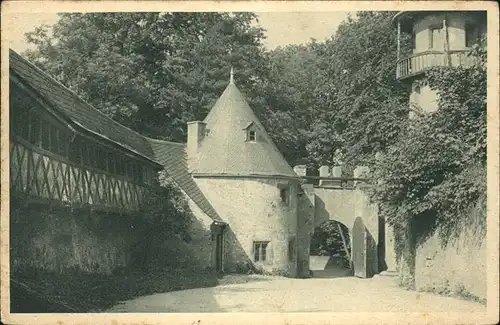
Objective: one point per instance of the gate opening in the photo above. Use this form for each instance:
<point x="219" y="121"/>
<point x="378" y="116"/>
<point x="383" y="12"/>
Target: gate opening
<point x="330" y="251"/>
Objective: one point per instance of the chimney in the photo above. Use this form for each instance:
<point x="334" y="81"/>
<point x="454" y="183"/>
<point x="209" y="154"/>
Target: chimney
<point x="195" y="134"/>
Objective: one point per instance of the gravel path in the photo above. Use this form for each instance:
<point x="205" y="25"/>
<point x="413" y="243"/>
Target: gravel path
<point x="342" y="294"/>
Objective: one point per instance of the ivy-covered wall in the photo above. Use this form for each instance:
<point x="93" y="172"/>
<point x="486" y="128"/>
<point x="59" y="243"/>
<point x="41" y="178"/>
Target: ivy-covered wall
<point x="451" y="262"/>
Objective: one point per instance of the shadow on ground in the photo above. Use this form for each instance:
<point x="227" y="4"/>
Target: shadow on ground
<point x="332" y="273"/>
<point x="328" y="267"/>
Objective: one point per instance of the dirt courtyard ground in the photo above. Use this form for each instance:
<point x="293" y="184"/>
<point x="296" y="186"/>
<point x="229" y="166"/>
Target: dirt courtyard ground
<point x="273" y="294"/>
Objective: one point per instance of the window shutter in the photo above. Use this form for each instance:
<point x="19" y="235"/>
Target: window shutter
<point x="270" y="252"/>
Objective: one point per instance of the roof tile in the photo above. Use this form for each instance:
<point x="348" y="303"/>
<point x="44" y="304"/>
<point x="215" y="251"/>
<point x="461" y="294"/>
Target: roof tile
<point x="174" y="157"/>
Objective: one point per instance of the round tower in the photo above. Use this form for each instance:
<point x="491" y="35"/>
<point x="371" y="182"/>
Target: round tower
<point x="251" y="186"/>
<point x="438" y="38"/>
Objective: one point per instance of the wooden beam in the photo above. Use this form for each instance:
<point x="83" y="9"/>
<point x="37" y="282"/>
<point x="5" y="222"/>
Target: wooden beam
<point x="446" y="45"/>
<point x="399" y="40"/>
<point x="344" y="241"/>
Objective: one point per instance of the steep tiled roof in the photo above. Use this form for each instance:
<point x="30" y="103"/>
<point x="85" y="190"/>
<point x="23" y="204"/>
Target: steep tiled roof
<point x="174" y="157"/>
<point x="225" y="151"/>
<point x="77" y="110"/>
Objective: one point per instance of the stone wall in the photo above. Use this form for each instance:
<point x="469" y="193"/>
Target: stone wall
<point x="253" y="210"/>
<point x="61" y="239"/>
<point x="458" y="267"/>
<point x="305" y="226"/>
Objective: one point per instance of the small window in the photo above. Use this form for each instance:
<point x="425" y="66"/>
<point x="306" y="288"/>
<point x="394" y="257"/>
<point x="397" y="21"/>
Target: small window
<point x="111" y="163"/>
<point x="139" y="173"/>
<point x="252" y="136"/>
<point x="75" y="151"/>
<point x="435" y="41"/>
<point x="471" y="35"/>
<point x="413" y="41"/>
<point x="284" y="194"/>
<point x="54" y="140"/>
<point x="260" y="251"/>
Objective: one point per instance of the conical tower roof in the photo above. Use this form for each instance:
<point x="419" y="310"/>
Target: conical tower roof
<point x="225" y="150"/>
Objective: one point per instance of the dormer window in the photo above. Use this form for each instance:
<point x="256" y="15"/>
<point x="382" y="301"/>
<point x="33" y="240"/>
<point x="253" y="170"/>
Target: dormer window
<point x="251" y="135"/>
<point x="251" y="131"/>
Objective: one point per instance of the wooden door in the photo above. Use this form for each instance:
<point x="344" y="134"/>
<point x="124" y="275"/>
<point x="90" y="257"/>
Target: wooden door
<point x="219" y="253"/>
<point x="359" y="248"/>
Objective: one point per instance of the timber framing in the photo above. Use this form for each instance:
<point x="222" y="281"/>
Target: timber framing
<point x="58" y="161"/>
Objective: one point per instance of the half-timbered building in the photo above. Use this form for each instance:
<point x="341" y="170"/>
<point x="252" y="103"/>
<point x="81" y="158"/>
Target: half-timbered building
<point x="63" y="151"/>
<point x="66" y="154"/>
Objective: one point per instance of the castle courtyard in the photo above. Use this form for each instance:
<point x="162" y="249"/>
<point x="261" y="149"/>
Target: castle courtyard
<point x="274" y="294"/>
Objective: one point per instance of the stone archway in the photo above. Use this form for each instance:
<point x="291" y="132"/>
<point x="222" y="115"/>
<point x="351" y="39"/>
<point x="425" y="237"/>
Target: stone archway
<point x="330" y="253"/>
<point x="352" y="208"/>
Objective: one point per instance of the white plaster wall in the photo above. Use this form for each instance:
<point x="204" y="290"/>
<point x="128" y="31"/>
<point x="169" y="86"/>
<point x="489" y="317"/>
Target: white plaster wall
<point x="201" y="245"/>
<point x="425" y="98"/>
<point x="460" y="265"/>
<point x="456" y="31"/>
<point x="344" y="206"/>
<point x="253" y="209"/>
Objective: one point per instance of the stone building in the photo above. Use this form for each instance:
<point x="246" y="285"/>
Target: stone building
<point x="252" y="210"/>
<point x="237" y="166"/>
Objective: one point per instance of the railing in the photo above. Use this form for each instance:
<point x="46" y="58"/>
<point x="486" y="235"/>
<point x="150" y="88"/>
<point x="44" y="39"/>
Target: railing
<point x="419" y="62"/>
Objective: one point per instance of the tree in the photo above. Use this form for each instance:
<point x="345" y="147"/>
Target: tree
<point x="327" y="240"/>
<point x="365" y="107"/>
<point x="288" y="97"/>
<point x="152" y="72"/>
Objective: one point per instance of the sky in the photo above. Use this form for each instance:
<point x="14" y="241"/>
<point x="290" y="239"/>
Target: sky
<point x="283" y="28"/>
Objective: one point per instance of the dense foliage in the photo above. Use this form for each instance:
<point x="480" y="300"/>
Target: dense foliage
<point x="165" y="216"/>
<point x="327" y="239"/>
<point x="434" y="176"/>
<point x="361" y="107"/>
<point x="152" y="72"/>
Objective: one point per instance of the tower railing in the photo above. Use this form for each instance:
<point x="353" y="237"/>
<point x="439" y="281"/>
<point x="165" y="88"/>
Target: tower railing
<point x="418" y="62"/>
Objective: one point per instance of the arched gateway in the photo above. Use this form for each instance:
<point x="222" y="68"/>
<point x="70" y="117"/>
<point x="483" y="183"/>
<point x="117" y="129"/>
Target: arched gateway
<point x="345" y="201"/>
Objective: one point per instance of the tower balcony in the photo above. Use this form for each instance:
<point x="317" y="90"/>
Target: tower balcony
<point x="417" y="63"/>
